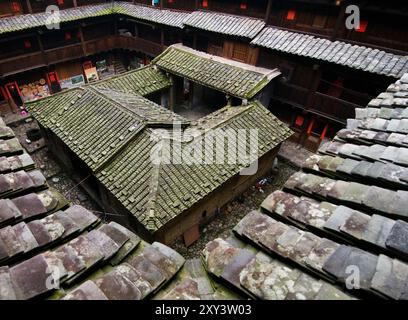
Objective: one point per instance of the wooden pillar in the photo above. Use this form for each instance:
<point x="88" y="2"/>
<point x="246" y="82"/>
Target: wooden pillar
<point x="41" y="46"/>
<point x="161" y="4"/>
<point x="339" y="22"/>
<point x="29" y="7"/>
<point x="81" y="35"/>
<point x="313" y="86"/>
<point x="136" y="31"/>
<point x="172" y="93"/>
<point x="195" y="41"/>
<point x="115" y="26"/>
<point x="197" y="4"/>
<point x="162" y="38"/>
<point x="268" y="10"/>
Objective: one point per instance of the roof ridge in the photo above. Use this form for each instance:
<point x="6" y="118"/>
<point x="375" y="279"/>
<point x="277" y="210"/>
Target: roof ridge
<point x="103" y="95"/>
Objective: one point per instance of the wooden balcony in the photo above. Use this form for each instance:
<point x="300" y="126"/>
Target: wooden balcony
<point x="30" y="61"/>
<point x="323" y="104"/>
<point x="332" y="107"/>
<point x="21" y="63"/>
<point x="291" y="94"/>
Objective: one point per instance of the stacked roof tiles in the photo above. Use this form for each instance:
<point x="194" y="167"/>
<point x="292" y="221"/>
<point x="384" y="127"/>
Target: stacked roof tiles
<point x="166" y="17"/>
<point x="225" y="23"/>
<point x="143" y="81"/>
<point x="326" y="224"/>
<point x="236" y="79"/>
<point x="28" y="21"/>
<point x="96" y="122"/>
<point x="168" y="189"/>
<point x="342" y="53"/>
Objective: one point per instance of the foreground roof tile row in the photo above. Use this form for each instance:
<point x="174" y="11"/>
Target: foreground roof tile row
<point x="338" y="52"/>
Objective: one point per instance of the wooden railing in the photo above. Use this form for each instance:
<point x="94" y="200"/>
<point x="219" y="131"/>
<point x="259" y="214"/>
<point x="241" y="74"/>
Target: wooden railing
<point x="290" y="93"/>
<point x="30" y="61"/>
<point x="329" y="106"/>
<point x="333" y="107"/>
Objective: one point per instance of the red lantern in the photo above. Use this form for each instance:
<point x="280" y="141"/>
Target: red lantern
<point x="205" y="4"/>
<point x="15" y="6"/>
<point x="291" y="15"/>
<point x="243" y="6"/>
<point x="60" y="2"/>
<point x="68" y="36"/>
<point x="299" y="121"/>
<point x="27" y="44"/>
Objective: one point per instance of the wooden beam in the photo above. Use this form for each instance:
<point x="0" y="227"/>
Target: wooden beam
<point x="81" y="35"/>
<point x="29" y="7"/>
<point x="313" y="86"/>
<point x="339" y="22"/>
<point x="41" y="46"/>
<point x="172" y="93"/>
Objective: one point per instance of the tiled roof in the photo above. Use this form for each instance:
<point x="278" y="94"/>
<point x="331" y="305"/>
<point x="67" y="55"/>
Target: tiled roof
<point x="347" y="209"/>
<point x="50" y="250"/>
<point x="97" y="122"/>
<point x="143" y="81"/>
<point x="27" y="21"/>
<point x="233" y="78"/>
<point x="258" y="275"/>
<point x="155" y="194"/>
<point x="342" y="53"/>
<point x="164" y="16"/>
<point x="225" y="23"/>
<point x="89" y="123"/>
<point x="353" y="191"/>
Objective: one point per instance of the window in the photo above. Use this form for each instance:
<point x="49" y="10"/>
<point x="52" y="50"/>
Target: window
<point x="240" y="52"/>
<point x="15" y="6"/>
<point x="299" y="121"/>
<point x="291" y="15"/>
<point x="319" y="21"/>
